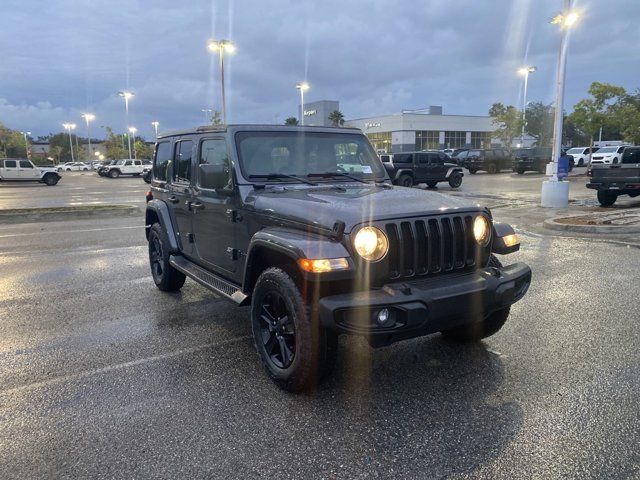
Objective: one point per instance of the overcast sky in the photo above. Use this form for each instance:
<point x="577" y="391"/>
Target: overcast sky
<point x="63" y="57"/>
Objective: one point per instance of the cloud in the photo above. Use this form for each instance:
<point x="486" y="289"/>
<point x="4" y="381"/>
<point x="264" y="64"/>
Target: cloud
<point x="377" y="56"/>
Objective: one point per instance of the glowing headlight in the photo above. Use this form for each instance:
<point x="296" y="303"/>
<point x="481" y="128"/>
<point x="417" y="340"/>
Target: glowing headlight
<point x="481" y="230"/>
<point x="371" y="244"/>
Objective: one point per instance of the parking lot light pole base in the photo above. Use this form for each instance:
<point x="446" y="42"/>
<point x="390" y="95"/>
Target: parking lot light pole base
<point x="555" y="194"/>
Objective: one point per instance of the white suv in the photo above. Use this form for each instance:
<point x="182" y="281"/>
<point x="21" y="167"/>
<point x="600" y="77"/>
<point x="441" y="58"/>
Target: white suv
<point x="608" y="155"/>
<point x="580" y="155"/>
<point x="125" y="167"/>
<point x="22" y="170"/>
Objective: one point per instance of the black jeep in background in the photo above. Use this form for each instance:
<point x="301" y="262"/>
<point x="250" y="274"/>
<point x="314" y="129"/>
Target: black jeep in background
<point x="622" y="178"/>
<point x="531" y="160"/>
<point x="411" y="168"/>
<point x="491" y="160"/>
<point x="304" y="225"/>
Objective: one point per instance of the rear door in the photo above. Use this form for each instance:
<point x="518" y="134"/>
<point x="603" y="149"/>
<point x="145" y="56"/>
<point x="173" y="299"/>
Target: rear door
<point x="180" y="193"/>
<point x="421" y="167"/>
<point x="10" y="171"/>
<point x="215" y="217"/>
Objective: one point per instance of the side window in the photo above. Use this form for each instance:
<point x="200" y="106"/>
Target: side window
<point x="161" y="161"/>
<point x="434" y="159"/>
<point x="137" y="162"/>
<point x="128" y="163"/>
<point x="621" y="149"/>
<point x="182" y="161"/>
<point x="10" y="164"/>
<point x="423" y="158"/>
<point x="443" y="158"/>
<point x="214" y="152"/>
<point x="25" y="164"/>
<point x="631" y="155"/>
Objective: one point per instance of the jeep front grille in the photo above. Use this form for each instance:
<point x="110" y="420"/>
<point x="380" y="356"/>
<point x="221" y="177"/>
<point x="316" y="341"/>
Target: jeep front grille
<point x="433" y="245"/>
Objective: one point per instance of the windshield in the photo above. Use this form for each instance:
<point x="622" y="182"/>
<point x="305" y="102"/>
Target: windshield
<point x="608" y="150"/>
<point x="307" y="153"/>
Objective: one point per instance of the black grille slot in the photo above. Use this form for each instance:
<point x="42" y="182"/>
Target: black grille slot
<point x="433" y="245"/>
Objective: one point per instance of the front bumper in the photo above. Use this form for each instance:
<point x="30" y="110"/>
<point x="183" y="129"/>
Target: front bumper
<point x="425" y="306"/>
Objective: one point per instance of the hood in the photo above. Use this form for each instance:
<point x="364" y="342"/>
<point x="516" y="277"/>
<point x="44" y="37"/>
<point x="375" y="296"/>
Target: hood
<point x="48" y="169"/>
<point x="352" y="204"/>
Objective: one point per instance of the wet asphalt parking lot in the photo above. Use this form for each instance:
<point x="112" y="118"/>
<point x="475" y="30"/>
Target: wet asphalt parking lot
<point x="104" y="376"/>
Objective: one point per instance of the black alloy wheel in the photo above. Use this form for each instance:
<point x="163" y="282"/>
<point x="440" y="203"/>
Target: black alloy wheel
<point x="492" y="168"/>
<point x="455" y="180"/>
<point x="156" y="258"/>
<point x="277" y="330"/>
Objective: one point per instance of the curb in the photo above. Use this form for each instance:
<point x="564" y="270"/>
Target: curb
<point x="28" y="215"/>
<point x="552" y="224"/>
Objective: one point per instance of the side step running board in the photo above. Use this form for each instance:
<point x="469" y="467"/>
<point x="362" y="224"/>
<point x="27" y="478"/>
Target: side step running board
<point x="209" y="280"/>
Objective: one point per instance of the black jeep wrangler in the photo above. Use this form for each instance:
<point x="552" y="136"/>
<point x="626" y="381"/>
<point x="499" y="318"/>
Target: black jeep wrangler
<point x="490" y="160"/>
<point x="410" y="168"/>
<point x="304" y="225"/>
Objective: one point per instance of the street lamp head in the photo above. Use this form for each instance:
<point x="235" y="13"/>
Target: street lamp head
<point x="566" y="19"/>
<point x="89" y="117"/>
<point x="133" y="130"/>
<point x="526" y="70"/>
<point x="155" y="124"/>
<point x="126" y="95"/>
<point x="304" y="86"/>
<point x="217" y="45"/>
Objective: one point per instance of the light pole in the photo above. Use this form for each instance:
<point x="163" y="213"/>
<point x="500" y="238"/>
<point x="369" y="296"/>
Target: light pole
<point x="302" y="87"/>
<point x="88" y="117"/>
<point x="222" y="46"/>
<point x="132" y="131"/>
<point x="525" y="71"/>
<point x="127" y="95"/>
<point x="69" y="127"/>
<point x="26" y="142"/>
<point x="155" y="127"/>
<point x="555" y="194"/>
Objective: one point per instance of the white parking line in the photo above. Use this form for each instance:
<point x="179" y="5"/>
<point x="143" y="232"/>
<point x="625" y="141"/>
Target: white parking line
<point x="119" y="366"/>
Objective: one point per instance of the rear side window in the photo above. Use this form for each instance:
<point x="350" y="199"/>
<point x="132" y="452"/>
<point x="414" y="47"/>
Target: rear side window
<point x="422" y="158"/>
<point x="182" y="161"/>
<point x="161" y="161"/>
<point x="10" y="164"/>
<point x="402" y="158"/>
<point x="25" y="164"/>
<point x="434" y="158"/>
<point x="631" y="155"/>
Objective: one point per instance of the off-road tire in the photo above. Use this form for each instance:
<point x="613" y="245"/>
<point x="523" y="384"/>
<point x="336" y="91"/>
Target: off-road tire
<point x="607" y="198"/>
<point x="520" y="171"/>
<point x="50" y="179"/>
<point x="473" y="332"/>
<point x="472" y="171"/>
<point x="169" y="279"/>
<point x="114" y="173"/>
<point x="405" y="180"/>
<point x="455" y="180"/>
<point x="492" y="168"/>
<point x="581" y="162"/>
<point x="315" y="347"/>
<point x="432" y="184"/>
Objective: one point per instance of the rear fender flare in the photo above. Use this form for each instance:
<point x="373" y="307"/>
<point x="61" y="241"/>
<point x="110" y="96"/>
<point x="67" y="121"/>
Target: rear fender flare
<point x="157" y="209"/>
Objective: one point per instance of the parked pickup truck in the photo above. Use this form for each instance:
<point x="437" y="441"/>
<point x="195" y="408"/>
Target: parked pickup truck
<point x="22" y="170"/>
<point x="611" y="181"/>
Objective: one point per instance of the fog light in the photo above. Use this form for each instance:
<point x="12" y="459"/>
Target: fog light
<point x="383" y="316"/>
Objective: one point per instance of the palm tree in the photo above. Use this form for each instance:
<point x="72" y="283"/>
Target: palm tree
<point x="337" y="118"/>
<point x="291" y="121"/>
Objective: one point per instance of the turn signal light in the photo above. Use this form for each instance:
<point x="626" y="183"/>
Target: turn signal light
<point x="510" y="240"/>
<point x="149" y="196"/>
<point x="323" y="265"/>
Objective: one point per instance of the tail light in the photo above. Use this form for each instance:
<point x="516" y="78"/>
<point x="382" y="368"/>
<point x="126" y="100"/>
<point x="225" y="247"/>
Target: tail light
<point x="149" y="196"/>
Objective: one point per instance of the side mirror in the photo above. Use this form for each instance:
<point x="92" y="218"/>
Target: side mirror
<point x="213" y="177"/>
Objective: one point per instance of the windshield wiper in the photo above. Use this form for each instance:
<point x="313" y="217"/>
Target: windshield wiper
<point x="274" y="176"/>
<point x="337" y="174"/>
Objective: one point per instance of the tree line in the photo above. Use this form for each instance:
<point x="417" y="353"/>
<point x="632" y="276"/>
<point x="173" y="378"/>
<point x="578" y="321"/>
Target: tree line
<point x="13" y="145"/>
<point x="608" y="107"/>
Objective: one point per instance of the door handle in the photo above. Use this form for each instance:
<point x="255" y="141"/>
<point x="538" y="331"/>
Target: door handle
<point x="196" y="206"/>
<point x="173" y="199"/>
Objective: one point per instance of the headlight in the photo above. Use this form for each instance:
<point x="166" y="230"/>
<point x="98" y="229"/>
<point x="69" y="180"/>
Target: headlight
<point x="371" y="243"/>
<point x="482" y="230"/>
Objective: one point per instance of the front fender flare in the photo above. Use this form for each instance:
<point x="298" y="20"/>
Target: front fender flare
<point x="452" y="170"/>
<point x="501" y="230"/>
<point x="160" y="210"/>
<point x="295" y="245"/>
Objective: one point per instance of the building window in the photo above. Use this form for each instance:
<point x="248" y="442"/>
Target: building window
<point x="427" y="140"/>
<point x="455" y="139"/>
<point x="480" y="139"/>
<point x="381" y="141"/>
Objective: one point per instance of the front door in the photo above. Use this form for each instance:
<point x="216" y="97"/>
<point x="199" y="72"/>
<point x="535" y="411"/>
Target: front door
<point x="180" y="193"/>
<point x="216" y="217"/>
<point x="26" y="171"/>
